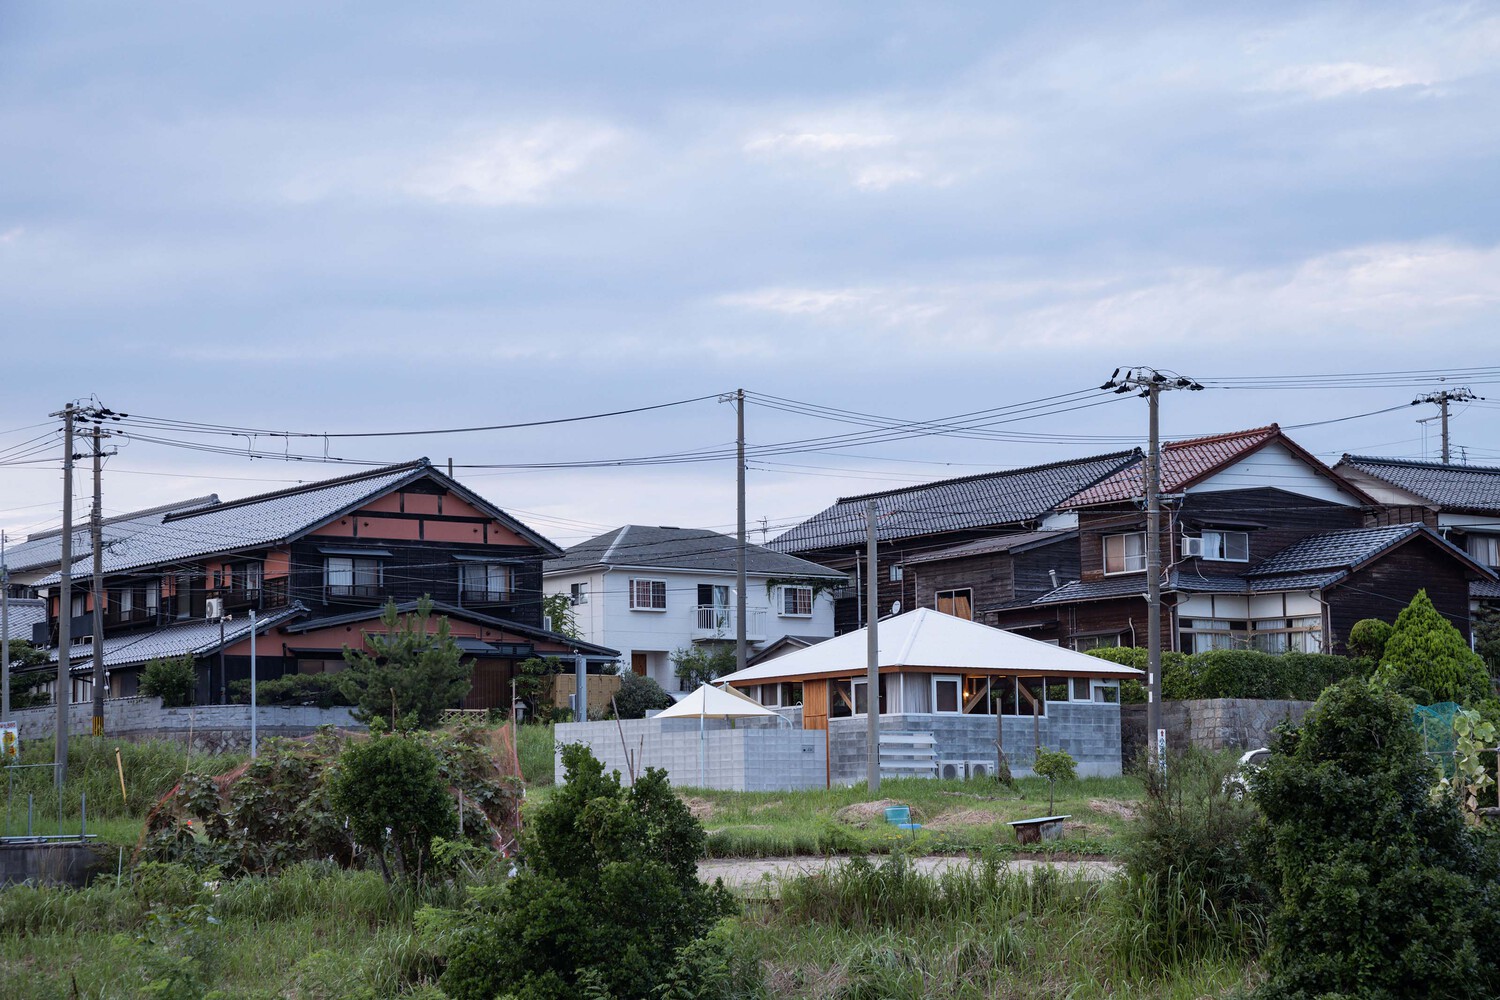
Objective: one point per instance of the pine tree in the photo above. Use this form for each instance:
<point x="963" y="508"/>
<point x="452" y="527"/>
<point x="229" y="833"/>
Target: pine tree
<point x="1427" y="658"/>
<point x="412" y="669"/>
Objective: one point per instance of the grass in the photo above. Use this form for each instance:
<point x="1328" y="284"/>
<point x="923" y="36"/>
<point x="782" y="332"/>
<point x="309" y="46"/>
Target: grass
<point x="957" y="816"/>
<point x="534" y="745"/>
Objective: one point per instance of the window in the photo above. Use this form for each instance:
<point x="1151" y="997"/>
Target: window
<point x="1280" y="635"/>
<point x="796" y="602"/>
<point x="713" y="608"/>
<point x="487" y="581"/>
<point x="1057" y="688"/>
<point x="896" y="574"/>
<point x="958" y="603"/>
<point x="348" y="576"/>
<point x="125" y="602"/>
<point x="861" y="686"/>
<point x="251" y="576"/>
<point x="1226" y="546"/>
<point x="76" y="606"/>
<point x="648" y="595"/>
<point x="1084" y="643"/>
<point x="578" y="594"/>
<point x="840" y="699"/>
<point x="1125" y="553"/>
<point x="1107" y="692"/>
<point x="784" y="695"/>
<point x="1485" y="549"/>
<point x="1081" y="689"/>
<point x="945" y="694"/>
<point x="1199" y="635"/>
<point x="153" y="597"/>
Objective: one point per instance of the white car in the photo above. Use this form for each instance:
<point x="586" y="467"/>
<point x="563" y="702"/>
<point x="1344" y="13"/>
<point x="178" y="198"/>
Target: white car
<point x="1237" y="785"/>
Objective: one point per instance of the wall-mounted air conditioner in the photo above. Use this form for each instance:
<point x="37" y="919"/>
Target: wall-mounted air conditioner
<point x="213" y="609"/>
<point x="951" y="770"/>
<point x="1192" y="545"/>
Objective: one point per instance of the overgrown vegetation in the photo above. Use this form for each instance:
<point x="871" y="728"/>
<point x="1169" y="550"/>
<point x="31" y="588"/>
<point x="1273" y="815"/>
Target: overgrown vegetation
<point x="173" y="679"/>
<point x="639" y="695"/>
<point x="1381" y="890"/>
<point x="700" y="664"/>
<point x="314" y="690"/>
<point x="27" y="683"/>
<point x="606" y="903"/>
<point x="395" y="802"/>
<point x="1237" y="673"/>
<point x="410" y="669"/>
<point x="1367" y="638"/>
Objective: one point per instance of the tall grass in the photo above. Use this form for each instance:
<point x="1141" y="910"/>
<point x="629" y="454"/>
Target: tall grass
<point x="535" y="747"/>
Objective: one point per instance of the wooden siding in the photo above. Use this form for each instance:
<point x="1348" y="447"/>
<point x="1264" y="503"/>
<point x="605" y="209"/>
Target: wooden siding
<point x="1384" y="588"/>
<point x="1288" y="518"/>
<point x="815" y="705"/>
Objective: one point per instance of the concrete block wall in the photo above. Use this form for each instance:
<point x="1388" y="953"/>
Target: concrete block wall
<point x="1090" y="731"/>
<point x="1211" y="723"/>
<point x="755" y="755"/>
<point x="209" y="728"/>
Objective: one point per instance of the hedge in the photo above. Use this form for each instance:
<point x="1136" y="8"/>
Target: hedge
<point x="1237" y="673"/>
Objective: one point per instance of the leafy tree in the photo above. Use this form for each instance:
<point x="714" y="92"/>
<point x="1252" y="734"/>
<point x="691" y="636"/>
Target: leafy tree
<point x="700" y="664"/>
<point x="1381" y="890"/>
<point x="531" y="680"/>
<point x="607" y="901"/>
<point x="1368" y="638"/>
<point x="173" y="679"/>
<point x="396" y="801"/>
<point x="1427" y="658"/>
<point x="1486" y="625"/>
<point x="1055" y="766"/>
<point x="411" y="669"/>
<point x="316" y="690"/>
<point x="559" y="608"/>
<point x="638" y="695"/>
<point x="26" y="688"/>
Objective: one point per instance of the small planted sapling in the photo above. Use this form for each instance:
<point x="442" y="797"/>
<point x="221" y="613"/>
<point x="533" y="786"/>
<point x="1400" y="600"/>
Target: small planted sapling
<point x="1055" y="766"/>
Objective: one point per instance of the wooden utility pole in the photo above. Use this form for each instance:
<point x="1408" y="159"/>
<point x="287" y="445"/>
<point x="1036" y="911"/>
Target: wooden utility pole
<point x="96" y="542"/>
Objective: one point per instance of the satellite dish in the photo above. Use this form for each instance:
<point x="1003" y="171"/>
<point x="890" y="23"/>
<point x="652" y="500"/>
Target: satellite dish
<point x="896" y="608"/>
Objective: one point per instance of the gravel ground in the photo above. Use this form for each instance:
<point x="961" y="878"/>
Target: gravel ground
<point x="747" y="871"/>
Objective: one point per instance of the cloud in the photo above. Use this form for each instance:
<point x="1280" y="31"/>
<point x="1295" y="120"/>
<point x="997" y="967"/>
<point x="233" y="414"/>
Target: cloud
<point x="12" y="234"/>
<point x="1329" y="80"/>
<point x="1391" y="292"/>
<point x="514" y="166"/>
<point x="816" y="142"/>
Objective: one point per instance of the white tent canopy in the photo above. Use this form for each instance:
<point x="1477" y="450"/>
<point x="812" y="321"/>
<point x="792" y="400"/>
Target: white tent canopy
<point x="708" y="702"/>
<point x="932" y="640"/>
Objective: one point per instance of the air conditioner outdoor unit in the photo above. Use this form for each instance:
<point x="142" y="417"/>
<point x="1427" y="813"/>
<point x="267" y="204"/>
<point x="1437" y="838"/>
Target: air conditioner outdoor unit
<point x="1192" y="545"/>
<point x="952" y="770"/>
<point x="981" y="769"/>
<point x="214" y="609"/>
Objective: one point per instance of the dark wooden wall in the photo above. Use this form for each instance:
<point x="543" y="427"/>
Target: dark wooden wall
<point x="1383" y="589"/>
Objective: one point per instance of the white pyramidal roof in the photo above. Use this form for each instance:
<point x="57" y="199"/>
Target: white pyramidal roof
<point x="932" y="639"/>
<point x="708" y="702"/>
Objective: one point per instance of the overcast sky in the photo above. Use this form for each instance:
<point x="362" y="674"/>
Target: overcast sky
<point x="372" y="216"/>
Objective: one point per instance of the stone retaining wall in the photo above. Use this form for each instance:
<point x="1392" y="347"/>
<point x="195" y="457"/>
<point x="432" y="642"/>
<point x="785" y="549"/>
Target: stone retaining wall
<point x="209" y="728"/>
<point x="1210" y="723"/>
<point x="67" y="863"/>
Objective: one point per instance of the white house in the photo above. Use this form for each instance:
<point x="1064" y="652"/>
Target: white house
<point x="653" y="590"/>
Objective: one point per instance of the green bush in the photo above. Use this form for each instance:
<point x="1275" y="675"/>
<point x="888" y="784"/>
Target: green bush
<point x="395" y="800"/>
<point x="315" y="690"/>
<point x="1188" y="863"/>
<point x="1381" y="889"/>
<point x="1486" y="626"/>
<point x="638" y="695"/>
<point x="1427" y="659"/>
<point x="410" y="666"/>
<point x="607" y="901"/>
<point x="1055" y="765"/>
<point x="1238" y="673"/>
<point x="1368" y="638"/>
<point x="174" y="680"/>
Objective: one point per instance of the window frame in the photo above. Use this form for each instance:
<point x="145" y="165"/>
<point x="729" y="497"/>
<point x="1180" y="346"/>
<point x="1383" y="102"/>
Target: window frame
<point x="1221" y="554"/>
<point x="578" y="593"/>
<point x="487" y="594"/>
<point x="788" y="590"/>
<point x="653" y="586"/>
<point x="1489" y="542"/>
<point x="1125" y="556"/>
<point x="354" y="588"/>
<point x="951" y="596"/>
<point x="958" y="693"/>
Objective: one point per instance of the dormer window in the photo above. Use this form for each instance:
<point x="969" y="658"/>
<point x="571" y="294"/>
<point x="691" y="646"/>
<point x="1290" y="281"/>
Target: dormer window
<point x="1125" y="553"/>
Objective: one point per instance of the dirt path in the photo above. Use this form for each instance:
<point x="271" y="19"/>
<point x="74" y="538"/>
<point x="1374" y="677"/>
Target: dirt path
<point x="746" y="871"/>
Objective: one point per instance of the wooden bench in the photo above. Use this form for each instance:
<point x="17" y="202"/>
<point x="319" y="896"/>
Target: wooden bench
<point x="1031" y="831"/>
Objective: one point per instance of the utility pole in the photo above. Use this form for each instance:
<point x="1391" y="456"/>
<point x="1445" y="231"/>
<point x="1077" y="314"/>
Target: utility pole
<point x="1150" y="384"/>
<point x="1441" y="399"/>
<point x="253" y="743"/>
<point x="4" y="634"/>
<point x="64" y="605"/>
<point x="741" y="650"/>
<point x="96" y="542"/>
<point x="872" y="656"/>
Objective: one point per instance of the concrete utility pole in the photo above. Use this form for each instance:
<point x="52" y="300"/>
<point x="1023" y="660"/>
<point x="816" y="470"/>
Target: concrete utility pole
<point x="1442" y="399"/>
<point x="4" y="634"/>
<point x="872" y="655"/>
<point x="96" y="542"/>
<point x="741" y="648"/>
<point x="64" y="604"/>
<point x="1150" y="383"/>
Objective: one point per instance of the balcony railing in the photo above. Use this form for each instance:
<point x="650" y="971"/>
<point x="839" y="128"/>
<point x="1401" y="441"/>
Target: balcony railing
<point x="357" y="591"/>
<point x="716" y="622"/>
<point x="483" y="595"/>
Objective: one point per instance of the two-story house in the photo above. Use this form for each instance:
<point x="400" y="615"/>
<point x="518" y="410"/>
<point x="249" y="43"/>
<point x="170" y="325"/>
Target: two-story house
<point x="649" y="591"/>
<point x="1262" y="546"/>
<point x="1462" y="502"/>
<point x="917" y="520"/>
<point x="317" y="563"/>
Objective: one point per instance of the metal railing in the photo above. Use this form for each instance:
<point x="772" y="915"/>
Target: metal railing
<point x="11" y="822"/>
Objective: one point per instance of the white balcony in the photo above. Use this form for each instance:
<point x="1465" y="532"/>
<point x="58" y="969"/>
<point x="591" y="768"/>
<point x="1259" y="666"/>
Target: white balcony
<point x="715" y="622"/>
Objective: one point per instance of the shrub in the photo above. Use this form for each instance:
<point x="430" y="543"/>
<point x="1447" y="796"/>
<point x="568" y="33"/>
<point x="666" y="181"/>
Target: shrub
<point x="174" y="680"/>
<point x="1486" y="625"/>
<point x="1381" y="889"/>
<point x="638" y="695"/>
<point x="396" y="802"/>
<point x="1055" y="765"/>
<point x="607" y="901"/>
<point x="701" y="664"/>
<point x="412" y="667"/>
<point x="314" y="690"/>
<point x="1368" y="638"/>
<point x="1188" y="861"/>
<point x="1427" y="658"/>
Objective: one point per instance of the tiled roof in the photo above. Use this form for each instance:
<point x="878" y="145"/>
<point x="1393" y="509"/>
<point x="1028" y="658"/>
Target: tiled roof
<point x="1487" y="590"/>
<point x="1473" y="488"/>
<point x="22" y="614"/>
<point x="262" y="520"/>
<point x="450" y="611"/>
<point x="196" y="638"/>
<point x="1182" y="463"/>
<point x="1129" y="585"/>
<point x="681" y="548"/>
<point x="1336" y="549"/>
<point x="983" y="501"/>
<point x="1019" y="542"/>
<point x="43" y="550"/>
